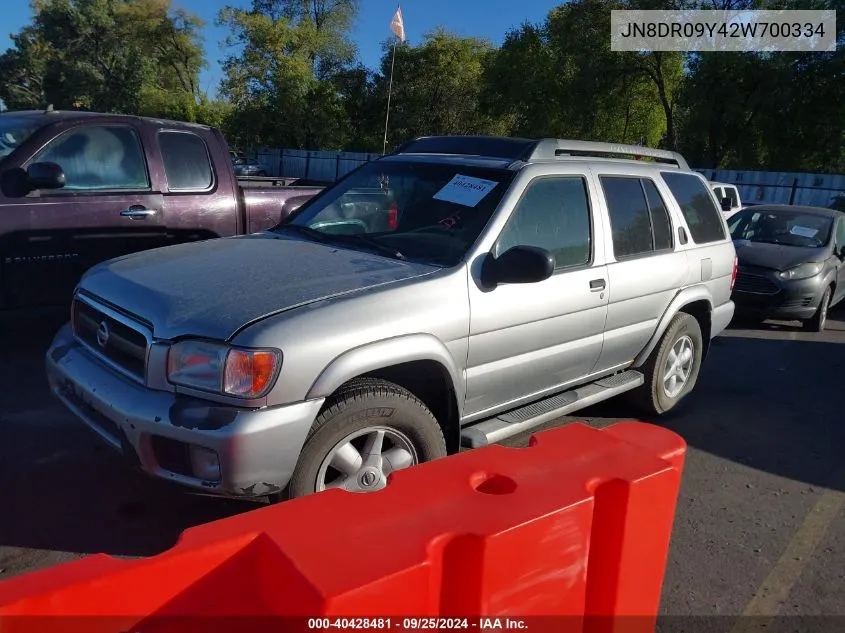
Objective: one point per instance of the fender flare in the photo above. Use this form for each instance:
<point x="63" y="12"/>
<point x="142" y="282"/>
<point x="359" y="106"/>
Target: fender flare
<point x="385" y="353"/>
<point x="683" y="298"/>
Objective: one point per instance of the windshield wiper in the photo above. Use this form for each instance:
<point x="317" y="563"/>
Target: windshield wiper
<point x="304" y="231"/>
<point x="334" y="238"/>
<point x="369" y="242"/>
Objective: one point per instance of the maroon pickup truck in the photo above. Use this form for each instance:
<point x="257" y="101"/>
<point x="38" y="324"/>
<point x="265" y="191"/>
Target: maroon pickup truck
<point x="78" y="188"/>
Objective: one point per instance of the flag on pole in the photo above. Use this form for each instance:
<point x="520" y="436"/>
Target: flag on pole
<point x="397" y="25"/>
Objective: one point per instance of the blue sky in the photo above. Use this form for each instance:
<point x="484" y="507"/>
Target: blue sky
<point x="479" y="18"/>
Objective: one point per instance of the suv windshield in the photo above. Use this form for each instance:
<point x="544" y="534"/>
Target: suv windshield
<point x="13" y="132"/>
<point x="790" y="228"/>
<point x="430" y="212"/>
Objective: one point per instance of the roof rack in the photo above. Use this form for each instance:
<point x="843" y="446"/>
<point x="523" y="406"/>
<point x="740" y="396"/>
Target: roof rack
<point x="555" y="148"/>
<point x="532" y="149"/>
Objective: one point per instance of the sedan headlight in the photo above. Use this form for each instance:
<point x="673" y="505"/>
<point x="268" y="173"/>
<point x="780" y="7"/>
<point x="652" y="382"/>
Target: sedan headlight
<point x="232" y="371"/>
<point x="804" y="271"/>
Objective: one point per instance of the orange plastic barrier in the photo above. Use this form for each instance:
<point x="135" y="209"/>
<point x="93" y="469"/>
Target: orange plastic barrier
<point x="575" y="526"/>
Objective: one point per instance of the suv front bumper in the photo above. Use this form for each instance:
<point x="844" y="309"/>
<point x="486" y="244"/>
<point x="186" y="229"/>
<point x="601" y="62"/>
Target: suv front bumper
<point x="212" y="448"/>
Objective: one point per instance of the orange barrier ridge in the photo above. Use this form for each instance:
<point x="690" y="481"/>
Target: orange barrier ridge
<point x="575" y="526"/>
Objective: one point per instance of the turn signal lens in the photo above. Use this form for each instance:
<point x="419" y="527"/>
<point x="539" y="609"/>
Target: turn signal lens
<point x="250" y="373"/>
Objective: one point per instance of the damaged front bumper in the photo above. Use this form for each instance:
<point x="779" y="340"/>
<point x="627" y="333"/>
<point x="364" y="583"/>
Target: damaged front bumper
<point x="209" y="447"/>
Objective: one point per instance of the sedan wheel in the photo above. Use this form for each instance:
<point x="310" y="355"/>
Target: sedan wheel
<point x="819" y="319"/>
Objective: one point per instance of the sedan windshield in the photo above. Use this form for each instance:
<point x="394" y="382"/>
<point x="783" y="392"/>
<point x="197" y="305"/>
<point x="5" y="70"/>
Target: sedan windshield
<point x="789" y="228"/>
<point x="429" y="212"/>
<point x="13" y="132"/>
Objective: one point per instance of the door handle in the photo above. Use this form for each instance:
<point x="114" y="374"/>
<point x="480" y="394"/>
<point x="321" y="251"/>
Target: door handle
<point x="597" y="285"/>
<point x="137" y="213"/>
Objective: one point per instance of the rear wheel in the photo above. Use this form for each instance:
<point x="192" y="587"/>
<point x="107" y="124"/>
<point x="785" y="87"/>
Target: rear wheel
<point x="672" y="370"/>
<point x="818" y="321"/>
<point x="368" y="429"/>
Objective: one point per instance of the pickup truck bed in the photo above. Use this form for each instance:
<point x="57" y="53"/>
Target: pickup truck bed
<point x="78" y="188"/>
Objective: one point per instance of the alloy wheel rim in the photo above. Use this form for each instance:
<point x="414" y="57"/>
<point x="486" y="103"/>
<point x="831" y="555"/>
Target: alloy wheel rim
<point x="678" y="366"/>
<point x="362" y="461"/>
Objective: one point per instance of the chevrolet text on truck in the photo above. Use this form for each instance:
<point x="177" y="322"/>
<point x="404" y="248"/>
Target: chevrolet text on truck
<point x="78" y="188"/>
<point x="459" y="291"/>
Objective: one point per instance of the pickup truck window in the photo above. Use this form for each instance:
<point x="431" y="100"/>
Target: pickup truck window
<point x="187" y="164"/>
<point x="13" y="132"/>
<point x="98" y="157"/>
<point x="426" y="211"/>
<point x="703" y="217"/>
<point x="554" y="214"/>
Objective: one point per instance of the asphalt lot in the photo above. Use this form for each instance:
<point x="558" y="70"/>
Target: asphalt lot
<point x="760" y="526"/>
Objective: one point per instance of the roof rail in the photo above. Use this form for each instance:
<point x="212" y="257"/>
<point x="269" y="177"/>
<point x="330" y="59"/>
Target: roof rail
<point x="554" y="148"/>
<point x="524" y="149"/>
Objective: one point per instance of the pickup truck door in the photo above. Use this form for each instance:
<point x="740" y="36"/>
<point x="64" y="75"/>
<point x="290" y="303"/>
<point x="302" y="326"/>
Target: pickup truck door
<point x="201" y="196"/>
<point x="108" y="208"/>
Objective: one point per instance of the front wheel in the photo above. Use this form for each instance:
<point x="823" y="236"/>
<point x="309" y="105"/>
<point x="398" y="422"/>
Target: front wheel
<point x="672" y="370"/>
<point x="367" y="430"/>
<point x="817" y="322"/>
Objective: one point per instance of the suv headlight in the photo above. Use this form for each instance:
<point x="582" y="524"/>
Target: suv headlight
<point x="804" y="271"/>
<point x="218" y="368"/>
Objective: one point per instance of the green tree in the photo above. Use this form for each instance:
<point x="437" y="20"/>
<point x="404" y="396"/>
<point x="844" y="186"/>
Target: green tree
<point x="561" y="79"/>
<point x="436" y="88"/>
<point x="130" y="56"/>
<point x="281" y="80"/>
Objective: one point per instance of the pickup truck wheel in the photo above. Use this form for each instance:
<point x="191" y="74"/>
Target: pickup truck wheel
<point x="367" y="430"/>
<point x="672" y="370"/>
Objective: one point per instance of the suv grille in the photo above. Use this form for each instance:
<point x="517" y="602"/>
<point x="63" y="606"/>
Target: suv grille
<point x="110" y="338"/>
<point x="756" y="284"/>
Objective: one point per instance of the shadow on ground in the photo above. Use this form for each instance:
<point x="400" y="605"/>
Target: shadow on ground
<point x="776" y="404"/>
<point x="773" y="403"/>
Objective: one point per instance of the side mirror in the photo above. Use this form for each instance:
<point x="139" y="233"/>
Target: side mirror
<point x="519" y="265"/>
<point x="46" y="176"/>
<point x="726" y="204"/>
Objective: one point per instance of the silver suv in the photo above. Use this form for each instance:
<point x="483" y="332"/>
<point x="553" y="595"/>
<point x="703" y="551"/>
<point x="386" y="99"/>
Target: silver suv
<point x="459" y="291"/>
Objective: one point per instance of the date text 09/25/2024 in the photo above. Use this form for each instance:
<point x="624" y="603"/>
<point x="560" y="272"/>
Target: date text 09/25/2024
<point x="416" y="624"/>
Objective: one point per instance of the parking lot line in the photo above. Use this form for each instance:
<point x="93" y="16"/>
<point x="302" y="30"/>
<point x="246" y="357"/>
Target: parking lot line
<point x="774" y="590"/>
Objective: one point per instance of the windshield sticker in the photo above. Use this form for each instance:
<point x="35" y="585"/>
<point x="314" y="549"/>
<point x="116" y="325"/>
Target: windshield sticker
<point x="465" y="190"/>
<point x="803" y="231"/>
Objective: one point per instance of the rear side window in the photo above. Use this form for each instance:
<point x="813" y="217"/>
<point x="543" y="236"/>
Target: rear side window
<point x="638" y="218"/>
<point x="703" y="217"/>
<point x="187" y="164"/>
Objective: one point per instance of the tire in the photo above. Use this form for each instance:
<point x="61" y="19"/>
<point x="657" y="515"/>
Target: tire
<point x="652" y="396"/>
<point x="366" y="404"/>
<point x="817" y="322"/>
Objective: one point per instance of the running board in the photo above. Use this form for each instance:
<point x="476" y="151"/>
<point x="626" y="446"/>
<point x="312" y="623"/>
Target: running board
<point x="512" y="423"/>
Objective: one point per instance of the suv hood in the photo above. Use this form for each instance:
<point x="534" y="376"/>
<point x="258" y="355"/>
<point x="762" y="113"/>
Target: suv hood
<point x="775" y="256"/>
<point x="214" y="288"/>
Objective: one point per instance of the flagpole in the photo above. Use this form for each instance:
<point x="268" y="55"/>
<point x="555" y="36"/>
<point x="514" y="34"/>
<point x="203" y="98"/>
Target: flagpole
<point x="389" y="92"/>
